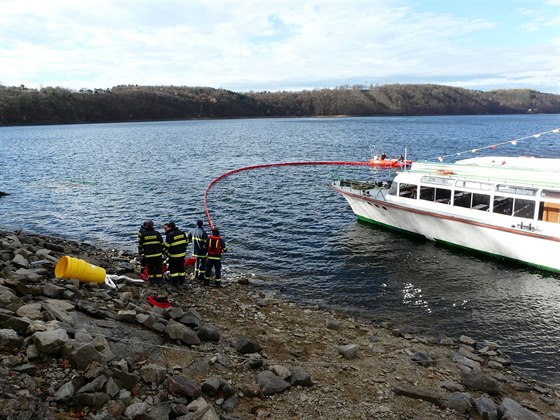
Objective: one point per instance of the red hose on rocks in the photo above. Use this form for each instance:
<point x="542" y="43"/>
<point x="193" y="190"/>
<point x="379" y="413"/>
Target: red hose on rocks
<point x="268" y="165"/>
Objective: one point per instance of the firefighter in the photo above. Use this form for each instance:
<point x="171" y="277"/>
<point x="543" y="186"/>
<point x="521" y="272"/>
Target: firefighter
<point x="150" y="246"/>
<point x="198" y="236"/>
<point x="175" y="250"/>
<point x="214" y="249"/>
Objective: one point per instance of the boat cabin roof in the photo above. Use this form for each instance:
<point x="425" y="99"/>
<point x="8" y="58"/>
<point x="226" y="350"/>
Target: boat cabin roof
<point x="531" y="171"/>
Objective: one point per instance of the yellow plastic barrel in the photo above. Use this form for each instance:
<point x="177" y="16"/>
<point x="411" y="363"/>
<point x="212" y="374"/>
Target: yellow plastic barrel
<point x="75" y="268"/>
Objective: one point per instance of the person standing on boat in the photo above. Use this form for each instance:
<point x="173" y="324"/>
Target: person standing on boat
<point x="214" y="248"/>
<point x="175" y="250"/>
<point x="198" y="236"/>
<point x="150" y="246"/>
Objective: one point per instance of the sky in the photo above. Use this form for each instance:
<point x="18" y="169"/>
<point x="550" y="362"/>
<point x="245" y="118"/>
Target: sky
<point x="266" y="45"/>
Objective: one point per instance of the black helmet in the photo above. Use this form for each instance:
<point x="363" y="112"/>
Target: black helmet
<point x="199" y="223"/>
<point x="171" y="225"/>
<point x="149" y="224"/>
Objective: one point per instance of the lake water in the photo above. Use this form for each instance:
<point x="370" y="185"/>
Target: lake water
<point x="97" y="182"/>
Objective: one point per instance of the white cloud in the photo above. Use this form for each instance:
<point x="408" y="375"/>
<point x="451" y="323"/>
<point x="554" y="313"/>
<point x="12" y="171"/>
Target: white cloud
<point x="257" y="45"/>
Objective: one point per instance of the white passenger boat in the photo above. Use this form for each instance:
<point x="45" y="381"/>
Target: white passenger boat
<point x="501" y="206"/>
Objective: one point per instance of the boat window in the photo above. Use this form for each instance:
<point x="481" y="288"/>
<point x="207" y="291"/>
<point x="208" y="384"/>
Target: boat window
<point x="551" y="194"/>
<point x="462" y="199"/>
<point x="408" y="190"/>
<point x="503" y="205"/>
<point x="511" y="189"/>
<point x="436" y="180"/>
<point x="474" y="185"/>
<point x="480" y="202"/>
<point x="443" y="195"/>
<point x="427" y="193"/>
<point x="549" y="212"/>
<point x="524" y="208"/>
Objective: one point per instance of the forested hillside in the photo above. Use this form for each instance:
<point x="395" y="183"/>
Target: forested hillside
<point x="54" y="105"/>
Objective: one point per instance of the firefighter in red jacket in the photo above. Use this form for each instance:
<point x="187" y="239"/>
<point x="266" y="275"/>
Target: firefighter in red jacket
<point x="215" y="246"/>
<point x="150" y="246"/>
<point x="175" y="249"/>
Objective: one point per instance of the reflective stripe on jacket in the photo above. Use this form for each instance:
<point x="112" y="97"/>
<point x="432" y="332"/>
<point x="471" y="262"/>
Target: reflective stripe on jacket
<point x="175" y="243"/>
<point x="150" y="243"/>
<point x="216" y="245"/>
<point x="199" y="237"/>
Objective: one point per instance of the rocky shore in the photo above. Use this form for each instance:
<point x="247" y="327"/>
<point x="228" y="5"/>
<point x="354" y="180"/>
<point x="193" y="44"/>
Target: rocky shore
<point x="83" y="350"/>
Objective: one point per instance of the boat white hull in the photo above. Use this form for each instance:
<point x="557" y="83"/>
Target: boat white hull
<point x="531" y="247"/>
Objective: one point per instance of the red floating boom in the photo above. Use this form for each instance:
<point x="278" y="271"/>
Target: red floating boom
<point x="388" y="163"/>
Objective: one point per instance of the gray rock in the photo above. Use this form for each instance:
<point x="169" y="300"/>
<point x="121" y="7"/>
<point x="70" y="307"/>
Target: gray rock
<point x="174" y="313"/>
<point x="20" y="261"/>
<point x="230" y="404"/>
<point x="137" y="411"/>
<point x="422" y="358"/>
<point x="470" y="355"/>
<point x="486" y="408"/>
<point x="112" y="388"/>
<point x="459" y="402"/>
<point x="181" y="332"/>
<point x="269" y="383"/>
<point x="247" y="345"/>
<point x="467" y="340"/>
<point x="128" y="316"/>
<point x="512" y="410"/>
<point x="300" y="377"/>
<point x="82" y="355"/>
<point x="181" y="386"/>
<point x="254" y="360"/>
<point x="54" y="312"/>
<point x="452" y="386"/>
<point x="464" y="361"/>
<point x="420" y="393"/>
<point x="112" y="410"/>
<point x="480" y="381"/>
<point x="65" y="392"/>
<point x="153" y="374"/>
<point x="96" y="385"/>
<point x="160" y="411"/>
<point x="96" y="400"/>
<point x="332" y="324"/>
<point x="62" y="304"/>
<point x="9" y="340"/>
<point x="50" y="342"/>
<point x="125" y="379"/>
<point x="31" y="311"/>
<point x="52" y="290"/>
<point x="32" y="352"/>
<point x="348" y="351"/>
<point x="191" y="318"/>
<point x="19" y="324"/>
<point x="281" y="371"/>
<point x="7" y="298"/>
<point x="200" y="409"/>
<point x="212" y="385"/>
<point x="209" y="333"/>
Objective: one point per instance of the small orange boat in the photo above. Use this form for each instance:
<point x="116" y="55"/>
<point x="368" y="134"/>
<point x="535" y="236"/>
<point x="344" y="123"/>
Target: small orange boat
<point x="389" y="163"/>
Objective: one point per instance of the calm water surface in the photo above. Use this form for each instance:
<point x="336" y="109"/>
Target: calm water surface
<point x="98" y="182"/>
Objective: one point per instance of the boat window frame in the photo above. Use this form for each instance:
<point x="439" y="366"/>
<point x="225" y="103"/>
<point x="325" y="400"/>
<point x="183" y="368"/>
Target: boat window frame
<point x="550" y="195"/>
<point x="524" y="205"/>
<point x="413" y="194"/>
<point x="436" y="180"/>
<point x="516" y="190"/>
<point x="473" y="185"/>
